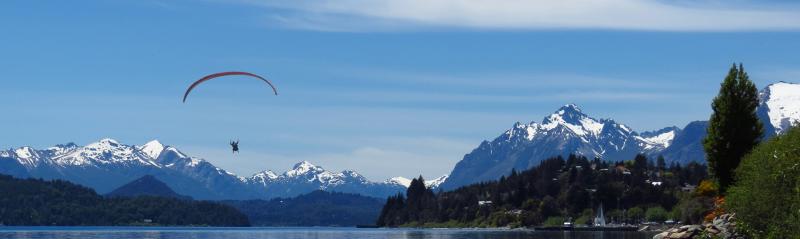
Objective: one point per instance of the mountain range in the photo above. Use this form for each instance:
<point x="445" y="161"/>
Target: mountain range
<point x="570" y="131"/>
<point x="107" y="164"/>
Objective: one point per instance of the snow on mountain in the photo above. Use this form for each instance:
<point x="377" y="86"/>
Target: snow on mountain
<point x="263" y="178"/>
<point x="405" y="182"/>
<point x="566" y="131"/>
<point x="24" y="152"/>
<point x="434" y="183"/>
<point x="569" y="131"/>
<point x="152" y="148"/>
<point x="780" y="106"/>
<point x="599" y="136"/>
<point x="105" y="151"/>
<point x="399" y="181"/>
<point x="302" y="168"/>
<point x="660" y="139"/>
<point x="26" y="156"/>
<point x="107" y="164"/>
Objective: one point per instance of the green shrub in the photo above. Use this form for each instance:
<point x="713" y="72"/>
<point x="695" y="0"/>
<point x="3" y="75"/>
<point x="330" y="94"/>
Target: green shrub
<point x="675" y="213"/>
<point x="766" y="198"/>
<point x="583" y="220"/>
<point x="635" y="214"/>
<point x="656" y="214"/>
<point x="554" y="221"/>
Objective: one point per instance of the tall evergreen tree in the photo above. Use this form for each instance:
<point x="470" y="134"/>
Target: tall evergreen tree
<point x="734" y="128"/>
<point x="661" y="163"/>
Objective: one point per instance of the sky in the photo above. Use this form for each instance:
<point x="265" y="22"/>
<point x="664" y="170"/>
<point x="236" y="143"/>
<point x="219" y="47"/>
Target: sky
<point x="383" y="87"/>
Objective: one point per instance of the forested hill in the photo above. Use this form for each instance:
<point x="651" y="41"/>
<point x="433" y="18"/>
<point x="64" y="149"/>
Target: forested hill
<point x="554" y="190"/>
<point x="35" y="202"/>
<point x="146" y="186"/>
<point x="318" y="208"/>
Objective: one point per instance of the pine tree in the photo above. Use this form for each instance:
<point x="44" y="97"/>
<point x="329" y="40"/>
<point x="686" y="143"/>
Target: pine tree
<point x="734" y="128"/>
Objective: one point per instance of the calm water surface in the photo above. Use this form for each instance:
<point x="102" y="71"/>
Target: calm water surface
<point x="296" y="233"/>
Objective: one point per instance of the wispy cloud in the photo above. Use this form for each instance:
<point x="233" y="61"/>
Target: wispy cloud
<point x="400" y="86"/>
<point x="649" y="15"/>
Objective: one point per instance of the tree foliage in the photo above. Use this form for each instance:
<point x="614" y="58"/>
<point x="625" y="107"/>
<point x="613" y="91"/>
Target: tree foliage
<point x="733" y="129"/>
<point x="766" y="197"/>
<point x="318" y="208"/>
<point x="656" y="214"/>
<point x="35" y="202"/>
<point x="557" y="188"/>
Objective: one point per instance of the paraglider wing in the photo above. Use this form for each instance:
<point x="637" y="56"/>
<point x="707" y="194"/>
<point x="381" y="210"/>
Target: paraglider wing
<point x="227" y="73"/>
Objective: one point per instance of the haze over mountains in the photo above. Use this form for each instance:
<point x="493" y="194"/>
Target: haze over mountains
<point x="570" y="131"/>
<point x="107" y="164"/>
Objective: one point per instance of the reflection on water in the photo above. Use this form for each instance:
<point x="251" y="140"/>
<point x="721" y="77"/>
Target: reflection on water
<point x="296" y="233"/>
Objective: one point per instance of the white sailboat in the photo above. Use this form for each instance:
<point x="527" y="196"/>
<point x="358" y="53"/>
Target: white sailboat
<point x="600" y="219"/>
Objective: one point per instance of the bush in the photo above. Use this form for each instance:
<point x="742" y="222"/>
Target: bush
<point x="554" y="221"/>
<point x="766" y="198"/>
<point x="675" y="213"/>
<point x="656" y="214"/>
<point x="693" y="209"/>
<point x="583" y="220"/>
<point x="635" y="214"/>
<point x="707" y="188"/>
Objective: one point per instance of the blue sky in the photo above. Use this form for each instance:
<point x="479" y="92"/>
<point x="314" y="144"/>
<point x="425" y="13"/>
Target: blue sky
<point x="386" y="88"/>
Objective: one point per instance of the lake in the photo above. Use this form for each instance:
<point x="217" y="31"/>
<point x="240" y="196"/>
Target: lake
<point x="299" y="232"/>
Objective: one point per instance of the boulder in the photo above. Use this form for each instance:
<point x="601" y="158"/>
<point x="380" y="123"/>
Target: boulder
<point x="662" y="235"/>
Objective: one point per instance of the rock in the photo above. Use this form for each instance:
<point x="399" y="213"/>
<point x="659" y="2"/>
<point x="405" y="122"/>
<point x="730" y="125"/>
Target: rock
<point x="662" y="235"/>
<point x="712" y="230"/>
<point x="681" y="235"/>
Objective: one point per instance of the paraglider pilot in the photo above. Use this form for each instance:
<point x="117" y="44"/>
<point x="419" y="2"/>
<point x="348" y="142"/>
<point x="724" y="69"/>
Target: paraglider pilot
<point x="235" y="146"/>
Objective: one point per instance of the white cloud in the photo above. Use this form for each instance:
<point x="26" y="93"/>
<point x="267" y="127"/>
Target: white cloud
<point x="651" y="15"/>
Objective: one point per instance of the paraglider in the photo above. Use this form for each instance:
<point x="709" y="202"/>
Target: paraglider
<point x="235" y="146"/>
<point x="227" y="73"/>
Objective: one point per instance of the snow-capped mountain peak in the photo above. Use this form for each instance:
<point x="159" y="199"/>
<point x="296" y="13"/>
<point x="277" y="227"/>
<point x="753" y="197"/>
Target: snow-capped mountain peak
<point x="263" y="178"/>
<point x="27" y="156"/>
<point x="569" y="113"/>
<point x="402" y="181"/>
<point x="303" y="168"/>
<point x="108" y="141"/>
<point x="106" y="164"/>
<point x="24" y="152"/>
<point x="152" y="148"/>
<point x="572" y="118"/>
<point x="60" y="149"/>
<point x="405" y="182"/>
<point x="658" y="139"/>
<point x="434" y="183"/>
<point x="779" y="101"/>
<point x="566" y="131"/>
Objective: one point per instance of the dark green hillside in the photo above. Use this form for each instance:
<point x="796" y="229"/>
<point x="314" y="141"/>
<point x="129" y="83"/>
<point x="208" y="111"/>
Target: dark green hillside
<point x="146" y="186"/>
<point x="318" y="208"/>
<point x="35" y="202"/>
<point x="631" y="191"/>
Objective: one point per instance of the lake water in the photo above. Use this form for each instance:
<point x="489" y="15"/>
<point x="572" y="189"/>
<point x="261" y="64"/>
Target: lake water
<point x="296" y="233"/>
